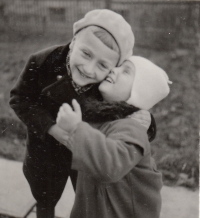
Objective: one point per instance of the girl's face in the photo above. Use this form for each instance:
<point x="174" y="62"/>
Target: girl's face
<point x="91" y="60"/>
<point x="118" y="84"/>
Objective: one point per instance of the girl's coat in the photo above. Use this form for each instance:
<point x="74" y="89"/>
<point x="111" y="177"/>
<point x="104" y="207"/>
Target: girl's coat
<point x="117" y="176"/>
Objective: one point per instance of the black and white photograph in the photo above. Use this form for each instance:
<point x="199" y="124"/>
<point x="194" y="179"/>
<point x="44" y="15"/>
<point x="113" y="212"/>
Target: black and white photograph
<point x="99" y="108"/>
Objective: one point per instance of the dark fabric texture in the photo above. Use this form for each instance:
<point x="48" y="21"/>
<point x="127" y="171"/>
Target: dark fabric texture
<point x="36" y="99"/>
<point x="95" y="111"/>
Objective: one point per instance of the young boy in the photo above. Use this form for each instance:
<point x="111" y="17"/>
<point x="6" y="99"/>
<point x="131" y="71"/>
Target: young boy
<point x="102" y="40"/>
<point x="116" y="175"/>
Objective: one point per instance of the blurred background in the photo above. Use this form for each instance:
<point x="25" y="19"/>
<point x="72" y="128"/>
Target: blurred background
<point x="166" y="32"/>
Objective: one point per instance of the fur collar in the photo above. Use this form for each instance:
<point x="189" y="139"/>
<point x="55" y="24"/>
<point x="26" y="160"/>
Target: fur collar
<point x="101" y="111"/>
<point x="95" y="111"/>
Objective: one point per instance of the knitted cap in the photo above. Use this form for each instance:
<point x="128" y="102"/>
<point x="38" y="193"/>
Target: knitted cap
<point x="150" y="84"/>
<point x="115" y="24"/>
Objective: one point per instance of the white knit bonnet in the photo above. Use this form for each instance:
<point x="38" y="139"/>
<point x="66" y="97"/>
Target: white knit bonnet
<point x="150" y="85"/>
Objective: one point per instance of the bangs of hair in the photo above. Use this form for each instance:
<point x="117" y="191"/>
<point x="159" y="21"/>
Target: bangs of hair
<point x="105" y="37"/>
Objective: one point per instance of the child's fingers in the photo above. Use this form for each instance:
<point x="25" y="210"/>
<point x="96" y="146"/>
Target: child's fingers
<point x="76" y="106"/>
<point x="143" y="113"/>
<point x="66" y="108"/>
<point x="61" y="113"/>
<point x="61" y="110"/>
<point x="57" y="119"/>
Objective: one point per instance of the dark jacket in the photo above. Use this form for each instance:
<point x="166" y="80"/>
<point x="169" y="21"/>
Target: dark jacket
<point x="117" y="178"/>
<point x="36" y="99"/>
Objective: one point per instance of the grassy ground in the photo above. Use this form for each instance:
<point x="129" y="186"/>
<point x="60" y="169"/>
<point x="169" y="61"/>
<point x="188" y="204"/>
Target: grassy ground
<point x="176" y="146"/>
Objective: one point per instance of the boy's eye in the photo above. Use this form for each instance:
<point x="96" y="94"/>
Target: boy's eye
<point x="86" y="53"/>
<point x="104" y="66"/>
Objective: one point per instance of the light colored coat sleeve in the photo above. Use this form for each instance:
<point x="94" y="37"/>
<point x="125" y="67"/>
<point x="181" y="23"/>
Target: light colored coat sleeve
<point x="109" y="156"/>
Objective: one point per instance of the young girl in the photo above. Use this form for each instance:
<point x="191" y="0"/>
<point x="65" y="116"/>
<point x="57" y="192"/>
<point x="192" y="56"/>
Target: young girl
<point x="117" y="176"/>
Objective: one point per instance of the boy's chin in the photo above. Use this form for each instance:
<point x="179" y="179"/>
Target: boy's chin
<point x="80" y="82"/>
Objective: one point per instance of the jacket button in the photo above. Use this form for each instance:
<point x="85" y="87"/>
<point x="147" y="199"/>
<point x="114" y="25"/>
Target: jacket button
<point x="59" y="77"/>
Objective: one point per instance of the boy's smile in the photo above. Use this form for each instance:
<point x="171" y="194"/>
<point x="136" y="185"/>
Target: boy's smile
<point x="83" y="75"/>
<point x="91" y="60"/>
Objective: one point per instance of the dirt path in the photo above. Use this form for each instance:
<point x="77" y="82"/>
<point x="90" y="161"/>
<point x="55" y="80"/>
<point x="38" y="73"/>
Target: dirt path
<point x="179" y="202"/>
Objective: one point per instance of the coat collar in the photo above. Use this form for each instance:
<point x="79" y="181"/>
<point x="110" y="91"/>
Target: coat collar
<point x="61" y="91"/>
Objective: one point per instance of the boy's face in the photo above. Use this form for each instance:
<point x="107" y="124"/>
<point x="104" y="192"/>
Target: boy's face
<point x="91" y="60"/>
<point x="118" y="84"/>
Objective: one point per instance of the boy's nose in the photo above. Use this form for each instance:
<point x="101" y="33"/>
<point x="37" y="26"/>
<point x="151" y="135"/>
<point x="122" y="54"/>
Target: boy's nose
<point x="89" y="69"/>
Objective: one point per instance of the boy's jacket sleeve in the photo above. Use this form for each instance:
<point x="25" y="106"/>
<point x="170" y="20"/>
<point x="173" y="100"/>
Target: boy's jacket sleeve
<point x="25" y="97"/>
<point x="109" y="157"/>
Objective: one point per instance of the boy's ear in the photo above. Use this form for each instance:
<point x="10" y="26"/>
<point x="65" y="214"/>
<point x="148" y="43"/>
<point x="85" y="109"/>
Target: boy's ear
<point x="72" y="43"/>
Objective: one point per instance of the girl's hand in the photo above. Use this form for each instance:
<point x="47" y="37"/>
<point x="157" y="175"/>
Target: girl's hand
<point x="59" y="134"/>
<point x="143" y="117"/>
<point x="67" y="118"/>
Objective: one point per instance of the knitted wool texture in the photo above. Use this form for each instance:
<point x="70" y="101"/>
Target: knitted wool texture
<point x="150" y="84"/>
<point x="113" y="23"/>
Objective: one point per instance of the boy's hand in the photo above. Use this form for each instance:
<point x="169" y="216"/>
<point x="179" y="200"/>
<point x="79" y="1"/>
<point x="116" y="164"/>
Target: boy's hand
<point x="67" y="119"/>
<point x="59" y="134"/>
<point x="143" y="117"/>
